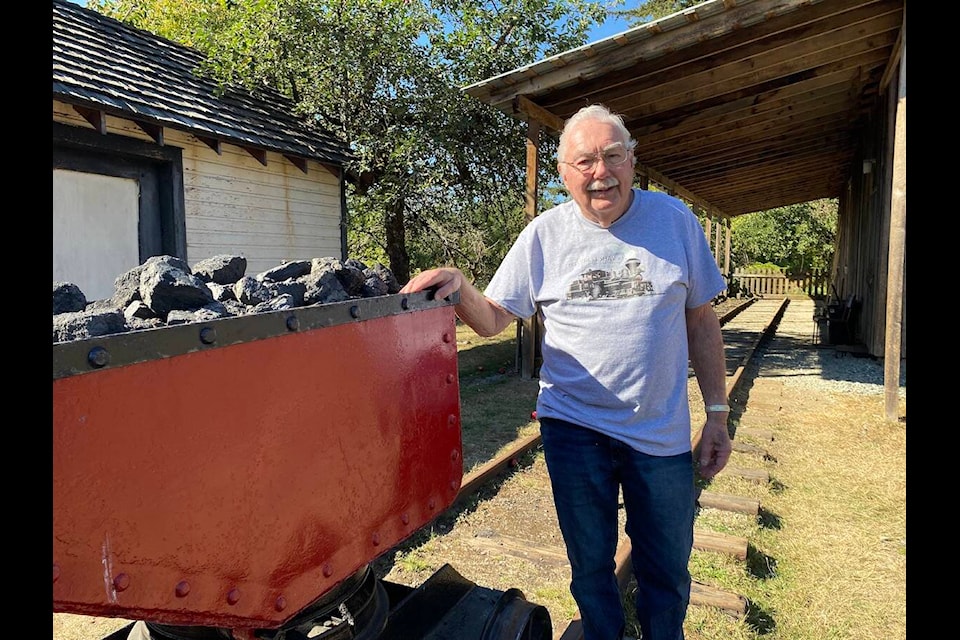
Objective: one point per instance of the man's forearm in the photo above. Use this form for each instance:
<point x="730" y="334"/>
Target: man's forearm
<point x="705" y="341"/>
<point x="480" y="313"/>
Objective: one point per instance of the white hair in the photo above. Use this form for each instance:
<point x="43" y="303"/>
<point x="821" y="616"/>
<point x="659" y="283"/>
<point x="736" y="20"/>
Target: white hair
<point x="598" y="113"/>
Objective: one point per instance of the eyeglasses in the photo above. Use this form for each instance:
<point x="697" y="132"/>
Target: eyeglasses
<point x="613" y="156"/>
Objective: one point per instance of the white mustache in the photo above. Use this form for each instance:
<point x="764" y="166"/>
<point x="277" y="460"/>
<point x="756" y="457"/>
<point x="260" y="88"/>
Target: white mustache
<point x="606" y="183"/>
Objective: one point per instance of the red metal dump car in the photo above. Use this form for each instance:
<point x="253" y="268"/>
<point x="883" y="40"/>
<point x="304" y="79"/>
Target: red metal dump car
<point x="236" y="478"/>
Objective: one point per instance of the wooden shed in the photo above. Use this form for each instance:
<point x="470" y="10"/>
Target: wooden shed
<point x="740" y="106"/>
<point x="151" y="158"/>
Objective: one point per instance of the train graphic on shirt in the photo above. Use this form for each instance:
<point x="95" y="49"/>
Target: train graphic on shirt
<point x="597" y="284"/>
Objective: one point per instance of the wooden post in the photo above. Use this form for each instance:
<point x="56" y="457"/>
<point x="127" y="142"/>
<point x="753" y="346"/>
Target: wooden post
<point x="527" y="329"/>
<point x="898" y="234"/>
<point x="716" y="242"/>
<point x="726" y="250"/>
<point x="642" y="180"/>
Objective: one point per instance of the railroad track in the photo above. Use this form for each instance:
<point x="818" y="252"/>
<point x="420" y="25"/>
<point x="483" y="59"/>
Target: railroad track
<point x="744" y="326"/>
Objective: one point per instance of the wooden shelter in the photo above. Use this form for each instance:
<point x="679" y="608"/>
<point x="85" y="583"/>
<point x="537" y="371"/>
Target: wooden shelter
<point x="739" y="106"/>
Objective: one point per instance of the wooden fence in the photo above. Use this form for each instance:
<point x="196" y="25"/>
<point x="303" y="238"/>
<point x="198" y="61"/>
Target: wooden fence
<point x="773" y="282"/>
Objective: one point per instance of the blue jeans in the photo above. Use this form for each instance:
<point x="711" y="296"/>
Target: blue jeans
<point x="587" y="470"/>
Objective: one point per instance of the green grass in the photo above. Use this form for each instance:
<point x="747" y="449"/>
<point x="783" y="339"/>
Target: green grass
<point x="496" y="405"/>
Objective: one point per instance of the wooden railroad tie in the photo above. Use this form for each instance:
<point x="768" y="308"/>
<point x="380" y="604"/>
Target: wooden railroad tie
<point x="720" y="543"/>
<point x="752" y="432"/>
<point x="707" y="596"/>
<point x="726" y="502"/>
<point x="746" y="447"/>
<point x="755" y="475"/>
<point x="520" y="548"/>
<point x="503" y="463"/>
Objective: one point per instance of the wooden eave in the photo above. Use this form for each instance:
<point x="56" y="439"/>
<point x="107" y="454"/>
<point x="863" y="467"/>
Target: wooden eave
<point x="737" y="105"/>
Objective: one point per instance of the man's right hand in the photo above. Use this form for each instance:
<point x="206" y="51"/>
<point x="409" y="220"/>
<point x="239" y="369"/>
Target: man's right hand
<point x="445" y="279"/>
<point x="480" y="313"/>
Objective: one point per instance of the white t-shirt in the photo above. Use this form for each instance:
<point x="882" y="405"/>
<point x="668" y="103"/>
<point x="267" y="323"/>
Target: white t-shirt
<point x="614" y="348"/>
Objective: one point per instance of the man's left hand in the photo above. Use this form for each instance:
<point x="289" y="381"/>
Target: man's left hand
<point x="715" y="446"/>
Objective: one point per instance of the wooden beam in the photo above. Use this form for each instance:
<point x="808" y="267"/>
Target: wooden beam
<point x="753" y="475"/>
<point x="96" y="118"/>
<point x="642" y="179"/>
<point x="894" y="64"/>
<point x="259" y="154"/>
<point x="213" y="143"/>
<point x="299" y="163"/>
<point x="528" y="328"/>
<point x="533" y="170"/>
<point x="707" y="81"/>
<point x="727" y="231"/>
<point x="674" y="188"/>
<point x="503" y="544"/>
<point x="746" y="447"/>
<point x="716" y="242"/>
<point x="155" y="131"/>
<point x="644" y="47"/>
<point x="706" y="596"/>
<point x="505" y="462"/>
<point x="522" y="104"/>
<point x="753" y="432"/>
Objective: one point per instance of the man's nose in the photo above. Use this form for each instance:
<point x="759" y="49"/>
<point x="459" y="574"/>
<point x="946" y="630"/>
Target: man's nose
<point x="601" y="168"/>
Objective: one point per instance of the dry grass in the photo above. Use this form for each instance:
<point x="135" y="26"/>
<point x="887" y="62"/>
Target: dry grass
<point x="827" y="555"/>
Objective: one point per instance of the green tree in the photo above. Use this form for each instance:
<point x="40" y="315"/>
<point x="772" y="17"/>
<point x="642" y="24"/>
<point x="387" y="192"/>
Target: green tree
<point x="798" y="237"/>
<point x="440" y="176"/>
<point x="650" y="10"/>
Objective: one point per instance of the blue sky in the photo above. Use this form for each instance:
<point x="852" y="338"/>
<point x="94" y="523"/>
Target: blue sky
<point x="612" y="26"/>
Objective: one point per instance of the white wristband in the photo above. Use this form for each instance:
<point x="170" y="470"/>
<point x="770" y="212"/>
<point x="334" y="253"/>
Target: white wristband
<point x="718" y="408"/>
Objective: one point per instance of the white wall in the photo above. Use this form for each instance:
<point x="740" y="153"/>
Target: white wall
<point x="268" y="213"/>
<point x="95" y="230"/>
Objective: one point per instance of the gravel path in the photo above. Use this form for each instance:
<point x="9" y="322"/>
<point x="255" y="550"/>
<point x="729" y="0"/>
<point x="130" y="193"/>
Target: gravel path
<point x="793" y="354"/>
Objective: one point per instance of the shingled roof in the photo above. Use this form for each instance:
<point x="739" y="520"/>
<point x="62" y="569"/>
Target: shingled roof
<point x="102" y="66"/>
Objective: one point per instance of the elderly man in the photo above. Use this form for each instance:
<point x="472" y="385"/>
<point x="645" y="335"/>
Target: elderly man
<point x="624" y="280"/>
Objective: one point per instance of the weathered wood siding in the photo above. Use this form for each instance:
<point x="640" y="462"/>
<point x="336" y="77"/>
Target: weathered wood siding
<point x="268" y="213"/>
<point x="235" y="205"/>
<point x="860" y="260"/>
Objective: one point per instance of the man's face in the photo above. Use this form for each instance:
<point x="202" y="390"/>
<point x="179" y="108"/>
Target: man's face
<point x="601" y="189"/>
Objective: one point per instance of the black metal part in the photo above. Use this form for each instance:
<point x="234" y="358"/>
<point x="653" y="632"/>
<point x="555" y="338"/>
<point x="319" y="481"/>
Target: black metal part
<point x="117" y="350"/>
<point x="447" y="606"/>
<point x="356" y="609"/>
<point x="98" y="357"/>
<point x="514" y="618"/>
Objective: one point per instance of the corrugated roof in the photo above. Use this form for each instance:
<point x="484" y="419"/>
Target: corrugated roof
<point x="102" y="64"/>
<point x="737" y="105"/>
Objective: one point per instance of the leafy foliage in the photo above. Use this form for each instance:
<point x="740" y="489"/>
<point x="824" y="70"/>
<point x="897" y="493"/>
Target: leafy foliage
<point x="439" y="176"/>
<point x="798" y="237"/>
<point x="650" y="10"/>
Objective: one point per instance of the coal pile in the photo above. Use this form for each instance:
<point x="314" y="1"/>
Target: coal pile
<point x="166" y="291"/>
